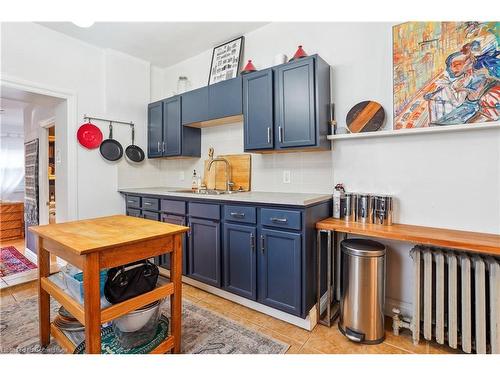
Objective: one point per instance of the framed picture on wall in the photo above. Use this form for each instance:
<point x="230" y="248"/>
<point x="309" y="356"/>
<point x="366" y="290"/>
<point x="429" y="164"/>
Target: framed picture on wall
<point x="226" y="59"/>
<point x="445" y="74"/>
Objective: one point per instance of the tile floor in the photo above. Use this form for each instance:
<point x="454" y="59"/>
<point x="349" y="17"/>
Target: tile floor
<point x="21" y="277"/>
<point x="321" y="340"/>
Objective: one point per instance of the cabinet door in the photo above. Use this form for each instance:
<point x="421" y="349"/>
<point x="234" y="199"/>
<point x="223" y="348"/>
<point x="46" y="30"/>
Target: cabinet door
<point x="279" y="270"/>
<point x="296" y="115"/>
<point x="151" y="215"/>
<point x="165" y="258"/>
<point x="134" y="212"/>
<point x="258" y="126"/>
<point x="155" y="129"/>
<point x="204" y="251"/>
<point x="224" y="99"/>
<point x="172" y="126"/>
<point x="195" y="106"/>
<point x="240" y="267"/>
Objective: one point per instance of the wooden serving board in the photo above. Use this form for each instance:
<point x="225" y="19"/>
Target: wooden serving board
<point x="241" y="171"/>
<point x="366" y="116"/>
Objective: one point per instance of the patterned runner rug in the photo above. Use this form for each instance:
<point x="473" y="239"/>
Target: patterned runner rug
<point x="12" y="261"/>
<point x="203" y="332"/>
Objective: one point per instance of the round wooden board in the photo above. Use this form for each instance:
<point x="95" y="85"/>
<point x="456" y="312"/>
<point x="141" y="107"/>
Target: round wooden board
<point x="367" y="116"/>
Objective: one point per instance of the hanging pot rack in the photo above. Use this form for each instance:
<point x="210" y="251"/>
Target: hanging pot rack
<point x="89" y="118"/>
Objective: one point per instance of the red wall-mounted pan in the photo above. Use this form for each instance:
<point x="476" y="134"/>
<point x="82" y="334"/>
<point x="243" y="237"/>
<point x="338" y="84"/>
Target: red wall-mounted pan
<point x="89" y="135"/>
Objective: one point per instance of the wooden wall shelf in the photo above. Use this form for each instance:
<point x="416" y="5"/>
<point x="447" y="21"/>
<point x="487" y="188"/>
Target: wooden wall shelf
<point x="483" y="243"/>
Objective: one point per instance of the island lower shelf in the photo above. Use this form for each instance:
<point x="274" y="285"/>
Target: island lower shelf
<point x="66" y="342"/>
<point x="53" y="285"/>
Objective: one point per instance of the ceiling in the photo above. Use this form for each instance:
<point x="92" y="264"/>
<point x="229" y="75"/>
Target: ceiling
<point x="14" y="103"/>
<point x="161" y="43"/>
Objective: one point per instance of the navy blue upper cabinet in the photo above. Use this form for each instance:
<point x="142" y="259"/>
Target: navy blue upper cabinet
<point x="195" y="106"/>
<point x="205" y="251"/>
<point x="155" y="129"/>
<point x="288" y="107"/>
<point x="225" y="99"/>
<point x="172" y="126"/>
<point x="166" y="135"/>
<point x="240" y="267"/>
<point x="280" y="270"/>
<point x="258" y="110"/>
<point x="296" y="115"/>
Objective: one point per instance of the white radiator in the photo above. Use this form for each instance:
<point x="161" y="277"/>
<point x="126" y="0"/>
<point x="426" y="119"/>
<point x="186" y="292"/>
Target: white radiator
<point x="457" y="299"/>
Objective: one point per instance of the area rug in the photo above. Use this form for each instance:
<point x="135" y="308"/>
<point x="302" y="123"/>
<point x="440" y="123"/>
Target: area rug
<point x="203" y="332"/>
<point x="12" y="261"/>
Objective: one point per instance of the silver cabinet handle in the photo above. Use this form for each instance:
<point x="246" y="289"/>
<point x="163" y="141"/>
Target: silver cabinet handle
<point x="280" y="133"/>
<point x="268" y="135"/>
<point x="158" y="146"/>
<point x="163" y="146"/>
<point x="252" y="241"/>
<point x="279" y="220"/>
<point x="237" y="214"/>
<point x="148" y="204"/>
<point x="262" y="243"/>
<point x="130" y="201"/>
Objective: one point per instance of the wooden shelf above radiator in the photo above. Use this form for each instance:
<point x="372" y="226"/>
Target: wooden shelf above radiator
<point x="483" y="243"/>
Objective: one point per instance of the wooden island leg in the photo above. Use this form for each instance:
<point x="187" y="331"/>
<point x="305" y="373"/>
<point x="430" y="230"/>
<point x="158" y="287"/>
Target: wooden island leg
<point x="176" y="298"/>
<point x="43" y="296"/>
<point x="92" y="304"/>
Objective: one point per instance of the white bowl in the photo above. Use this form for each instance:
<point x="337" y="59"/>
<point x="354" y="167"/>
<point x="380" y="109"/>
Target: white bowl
<point x="137" y="319"/>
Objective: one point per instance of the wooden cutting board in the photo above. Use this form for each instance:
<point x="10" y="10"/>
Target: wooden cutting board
<point x="367" y="116"/>
<point x="241" y="171"/>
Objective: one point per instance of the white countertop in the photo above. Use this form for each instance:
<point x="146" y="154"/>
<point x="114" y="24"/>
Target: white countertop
<point x="289" y="199"/>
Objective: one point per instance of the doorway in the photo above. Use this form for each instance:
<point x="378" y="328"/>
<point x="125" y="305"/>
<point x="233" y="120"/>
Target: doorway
<point x="29" y="130"/>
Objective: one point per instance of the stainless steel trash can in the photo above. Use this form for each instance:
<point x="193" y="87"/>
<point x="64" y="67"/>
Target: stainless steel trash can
<point x="362" y="291"/>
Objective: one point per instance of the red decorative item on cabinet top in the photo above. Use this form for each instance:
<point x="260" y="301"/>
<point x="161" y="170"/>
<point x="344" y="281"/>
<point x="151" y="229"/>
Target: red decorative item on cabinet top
<point x="300" y="53"/>
<point x="89" y="135"/>
<point x="249" y="67"/>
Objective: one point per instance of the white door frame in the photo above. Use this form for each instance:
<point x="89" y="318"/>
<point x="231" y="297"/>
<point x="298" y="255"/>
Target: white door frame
<point x="71" y="104"/>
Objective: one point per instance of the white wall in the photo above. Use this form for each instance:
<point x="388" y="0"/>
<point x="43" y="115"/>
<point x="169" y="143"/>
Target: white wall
<point x="106" y="84"/>
<point x="447" y="180"/>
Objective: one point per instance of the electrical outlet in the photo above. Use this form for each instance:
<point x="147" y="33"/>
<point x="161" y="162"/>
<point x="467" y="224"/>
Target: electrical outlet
<point x="286" y="176"/>
<point x="182" y="176"/>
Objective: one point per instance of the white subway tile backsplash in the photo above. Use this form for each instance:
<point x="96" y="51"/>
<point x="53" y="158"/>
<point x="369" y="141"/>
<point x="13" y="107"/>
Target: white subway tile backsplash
<point x="309" y="171"/>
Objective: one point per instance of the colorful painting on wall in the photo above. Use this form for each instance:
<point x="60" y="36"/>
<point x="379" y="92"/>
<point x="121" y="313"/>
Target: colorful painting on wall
<point x="446" y="73"/>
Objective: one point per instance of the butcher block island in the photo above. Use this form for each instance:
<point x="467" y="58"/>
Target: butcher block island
<point x="106" y="242"/>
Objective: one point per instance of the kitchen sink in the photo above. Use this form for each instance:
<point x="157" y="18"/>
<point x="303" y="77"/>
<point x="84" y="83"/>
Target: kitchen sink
<point x="205" y="192"/>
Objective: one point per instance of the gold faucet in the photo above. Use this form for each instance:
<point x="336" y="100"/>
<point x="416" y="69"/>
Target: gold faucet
<point x="227" y="171"/>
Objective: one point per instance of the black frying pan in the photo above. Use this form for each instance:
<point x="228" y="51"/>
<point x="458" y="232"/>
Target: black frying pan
<point x="134" y="152"/>
<point x="111" y="149"/>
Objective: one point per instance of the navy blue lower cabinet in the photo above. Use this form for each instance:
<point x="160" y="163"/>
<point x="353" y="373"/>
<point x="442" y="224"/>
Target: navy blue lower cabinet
<point x="205" y="251"/>
<point x="134" y="212"/>
<point x="280" y="270"/>
<point x="165" y="258"/>
<point x="240" y="260"/>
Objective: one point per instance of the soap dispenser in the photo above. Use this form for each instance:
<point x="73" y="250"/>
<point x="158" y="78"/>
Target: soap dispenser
<point x="194" y="183"/>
